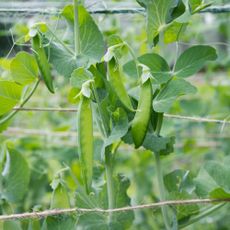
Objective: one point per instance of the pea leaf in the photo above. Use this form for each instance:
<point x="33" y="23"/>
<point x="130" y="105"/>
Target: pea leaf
<point x="63" y="61"/>
<point x="24" y="68"/>
<point x="193" y="59"/>
<point x="79" y="77"/>
<point x="99" y="221"/>
<point x="120" y="126"/>
<point x="60" y="223"/>
<point x="15" y="176"/>
<point x="60" y="199"/>
<point x="184" y="211"/>
<point x="91" y="39"/>
<point x="170" y="92"/>
<point x="161" y="145"/>
<point x="11" y="224"/>
<point x="173" y="31"/>
<point x="179" y="180"/>
<point x="159" y="68"/>
<point x="159" y="14"/>
<point x="213" y="180"/>
<point x="10" y="94"/>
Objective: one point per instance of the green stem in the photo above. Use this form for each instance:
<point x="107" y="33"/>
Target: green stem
<point x="201" y="216"/>
<point x="9" y="116"/>
<point x="164" y="209"/>
<point x="108" y="159"/>
<point x="109" y="180"/>
<point x="76" y="28"/>
<point x="162" y="191"/>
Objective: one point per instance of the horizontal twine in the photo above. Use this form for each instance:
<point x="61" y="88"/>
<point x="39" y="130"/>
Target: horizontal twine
<point x="132" y="10"/>
<point x="172" y="116"/>
<point x="55" y="212"/>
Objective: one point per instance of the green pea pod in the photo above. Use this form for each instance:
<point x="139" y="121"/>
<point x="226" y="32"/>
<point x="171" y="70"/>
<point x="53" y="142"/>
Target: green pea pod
<point x="142" y="116"/>
<point x="116" y="82"/>
<point x="42" y="62"/>
<point x="85" y="140"/>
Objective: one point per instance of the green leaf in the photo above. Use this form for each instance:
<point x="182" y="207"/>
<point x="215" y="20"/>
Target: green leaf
<point x="179" y="180"/>
<point x="99" y="221"/>
<point x="10" y="95"/>
<point x="161" y="145"/>
<point x="170" y="92"/>
<point x="193" y="59"/>
<point x="24" y="68"/>
<point x="15" y="176"/>
<point x="63" y="61"/>
<point x="120" y="126"/>
<point x="159" y="68"/>
<point x="184" y="211"/>
<point x="91" y="39"/>
<point x="11" y="225"/>
<point x="60" y="223"/>
<point x="180" y="186"/>
<point x="173" y="31"/>
<point x="60" y="199"/>
<point x="213" y="180"/>
<point x="159" y="14"/>
<point x="79" y="77"/>
<point x="117" y="48"/>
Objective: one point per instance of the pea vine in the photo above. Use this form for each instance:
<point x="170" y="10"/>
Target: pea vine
<point x="124" y="100"/>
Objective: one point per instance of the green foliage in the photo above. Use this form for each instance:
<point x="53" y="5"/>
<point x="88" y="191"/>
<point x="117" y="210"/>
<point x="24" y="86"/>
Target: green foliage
<point x="10" y="95"/>
<point x="24" y="69"/>
<point x="193" y="59"/>
<point x="15" y="176"/>
<point x="213" y="180"/>
<point x="101" y="221"/>
<point x="121" y="90"/>
<point x="170" y="92"/>
<point x="158" y="66"/>
<point x="160" y="14"/>
<point x="91" y="39"/>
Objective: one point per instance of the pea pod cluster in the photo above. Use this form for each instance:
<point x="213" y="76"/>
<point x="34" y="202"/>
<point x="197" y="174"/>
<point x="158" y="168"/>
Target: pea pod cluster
<point x="42" y="62"/>
<point x="115" y="79"/>
<point x="142" y="116"/>
<point x="85" y="140"/>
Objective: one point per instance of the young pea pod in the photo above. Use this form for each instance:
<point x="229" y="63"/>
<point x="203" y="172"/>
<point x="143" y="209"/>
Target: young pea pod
<point x="114" y="77"/>
<point x="85" y="140"/>
<point x="42" y="62"/>
<point x="142" y="116"/>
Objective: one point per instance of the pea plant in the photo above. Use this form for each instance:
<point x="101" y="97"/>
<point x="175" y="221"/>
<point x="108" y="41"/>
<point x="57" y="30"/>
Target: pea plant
<point x="119" y="94"/>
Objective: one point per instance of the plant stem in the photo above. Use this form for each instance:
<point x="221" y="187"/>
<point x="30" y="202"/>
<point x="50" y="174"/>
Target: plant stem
<point x="162" y="191"/>
<point x="9" y="116"/>
<point x="76" y="28"/>
<point x="109" y="181"/>
<point x="108" y="160"/>
<point x="160" y="179"/>
<point x="201" y="216"/>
